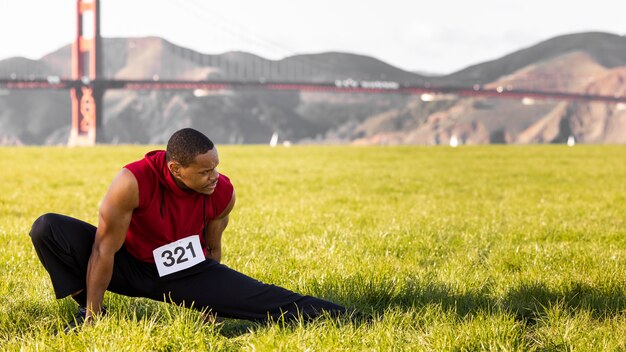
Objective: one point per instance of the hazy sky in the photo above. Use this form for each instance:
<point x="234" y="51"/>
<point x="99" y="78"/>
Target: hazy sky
<point x="438" y="36"/>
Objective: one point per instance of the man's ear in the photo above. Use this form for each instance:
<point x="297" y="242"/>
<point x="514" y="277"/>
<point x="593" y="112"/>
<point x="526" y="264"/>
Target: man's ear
<point x="174" y="168"/>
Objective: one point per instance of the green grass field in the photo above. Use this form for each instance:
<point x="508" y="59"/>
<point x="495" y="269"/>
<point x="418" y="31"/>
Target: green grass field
<point x="473" y="248"/>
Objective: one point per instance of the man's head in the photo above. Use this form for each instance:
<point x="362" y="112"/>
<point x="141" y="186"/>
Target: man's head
<point x="192" y="159"/>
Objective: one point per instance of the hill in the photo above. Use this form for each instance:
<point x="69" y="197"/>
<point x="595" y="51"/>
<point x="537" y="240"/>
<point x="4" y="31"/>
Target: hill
<point x="583" y="62"/>
<point x="576" y="63"/>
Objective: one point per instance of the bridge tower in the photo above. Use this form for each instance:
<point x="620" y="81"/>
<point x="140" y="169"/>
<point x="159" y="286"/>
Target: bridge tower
<point x="86" y="68"/>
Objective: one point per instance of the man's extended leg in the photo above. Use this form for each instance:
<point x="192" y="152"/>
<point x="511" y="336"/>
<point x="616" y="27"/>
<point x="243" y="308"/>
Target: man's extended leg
<point x="231" y="294"/>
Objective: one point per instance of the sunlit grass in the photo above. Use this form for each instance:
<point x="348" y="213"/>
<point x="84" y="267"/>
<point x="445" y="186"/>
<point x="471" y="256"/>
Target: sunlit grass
<point x="473" y="248"/>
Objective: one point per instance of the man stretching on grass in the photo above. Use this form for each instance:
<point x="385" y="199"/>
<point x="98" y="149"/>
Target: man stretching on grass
<point x="159" y="236"/>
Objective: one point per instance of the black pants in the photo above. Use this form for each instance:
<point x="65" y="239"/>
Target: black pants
<point x="64" y="244"/>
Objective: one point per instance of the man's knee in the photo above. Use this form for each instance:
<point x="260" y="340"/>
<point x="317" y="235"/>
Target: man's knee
<point x="41" y="227"/>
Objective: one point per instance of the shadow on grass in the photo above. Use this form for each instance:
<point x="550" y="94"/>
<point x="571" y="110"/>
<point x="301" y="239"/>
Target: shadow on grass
<point x="145" y="308"/>
<point x="528" y="302"/>
<point x="26" y="317"/>
<point x="234" y="328"/>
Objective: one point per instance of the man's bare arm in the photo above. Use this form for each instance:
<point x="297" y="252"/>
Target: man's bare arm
<point x="214" y="231"/>
<point x="113" y="221"/>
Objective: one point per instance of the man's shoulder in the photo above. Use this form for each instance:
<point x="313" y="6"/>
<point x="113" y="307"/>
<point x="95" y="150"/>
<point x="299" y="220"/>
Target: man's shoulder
<point x="140" y="169"/>
<point x="137" y="165"/>
<point x="143" y="167"/>
<point x="145" y="176"/>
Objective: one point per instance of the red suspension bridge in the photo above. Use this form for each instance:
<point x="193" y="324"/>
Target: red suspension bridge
<point x="89" y="80"/>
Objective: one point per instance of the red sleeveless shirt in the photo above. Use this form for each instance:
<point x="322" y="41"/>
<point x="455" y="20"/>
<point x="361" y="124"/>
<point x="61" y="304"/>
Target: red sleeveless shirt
<point x="167" y="213"/>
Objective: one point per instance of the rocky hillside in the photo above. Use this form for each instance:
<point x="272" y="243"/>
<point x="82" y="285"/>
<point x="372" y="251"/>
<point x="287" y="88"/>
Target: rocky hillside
<point x="586" y="62"/>
<point x="581" y="63"/>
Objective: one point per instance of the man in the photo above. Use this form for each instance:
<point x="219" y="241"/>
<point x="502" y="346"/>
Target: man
<point x="159" y="236"/>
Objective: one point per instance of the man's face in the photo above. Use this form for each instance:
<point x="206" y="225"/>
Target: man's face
<point x="200" y="176"/>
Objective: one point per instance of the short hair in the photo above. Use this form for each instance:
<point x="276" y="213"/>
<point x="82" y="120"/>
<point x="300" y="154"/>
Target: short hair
<point x="185" y="144"/>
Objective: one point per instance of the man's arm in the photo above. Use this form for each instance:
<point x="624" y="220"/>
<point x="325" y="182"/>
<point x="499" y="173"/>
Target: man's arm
<point x="214" y="231"/>
<point x="113" y="221"/>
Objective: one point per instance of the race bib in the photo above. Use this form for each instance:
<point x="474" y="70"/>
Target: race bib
<point x="178" y="255"/>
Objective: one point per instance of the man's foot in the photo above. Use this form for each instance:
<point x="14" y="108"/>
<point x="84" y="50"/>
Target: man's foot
<point x="212" y="318"/>
<point x="79" y="319"/>
<point x="360" y="318"/>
